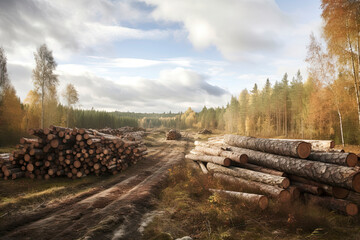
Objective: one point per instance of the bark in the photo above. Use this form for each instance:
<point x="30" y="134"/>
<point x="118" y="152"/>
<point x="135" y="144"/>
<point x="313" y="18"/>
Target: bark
<point x="341" y="127"/>
<point x="9" y="172"/>
<point x="303" y="187"/>
<point x="217" y="151"/>
<point x="344" y="159"/>
<point x="260" y="201"/>
<point x="210" y="159"/>
<point x="336" y="192"/>
<point x="261" y="169"/>
<point x="17" y="175"/>
<point x="340" y="205"/>
<point x="203" y="168"/>
<point x="353" y="197"/>
<point x="294" y="192"/>
<point x="316" y="145"/>
<point x="274" y="192"/>
<point x="331" y="174"/>
<point x="250" y="175"/>
<point x="286" y="148"/>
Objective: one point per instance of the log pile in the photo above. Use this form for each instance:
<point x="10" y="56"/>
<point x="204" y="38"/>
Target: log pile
<point x="75" y="153"/>
<point x="283" y="170"/>
<point x="205" y="131"/>
<point x="131" y="133"/>
<point x="173" y="135"/>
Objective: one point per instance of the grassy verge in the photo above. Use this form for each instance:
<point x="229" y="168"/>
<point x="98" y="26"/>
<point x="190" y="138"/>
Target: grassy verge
<point x="27" y="194"/>
<point x="349" y="148"/>
<point x="7" y="149"/>
<point x="189" y="209"/>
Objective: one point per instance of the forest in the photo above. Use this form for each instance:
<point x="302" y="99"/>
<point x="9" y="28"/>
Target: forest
<point x="326" y="105"/>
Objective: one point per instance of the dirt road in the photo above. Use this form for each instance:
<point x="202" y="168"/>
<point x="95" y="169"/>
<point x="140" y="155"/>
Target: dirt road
<point x="112" y="212"/>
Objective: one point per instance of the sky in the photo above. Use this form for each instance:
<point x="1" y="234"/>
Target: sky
<point x="158" y="55"/>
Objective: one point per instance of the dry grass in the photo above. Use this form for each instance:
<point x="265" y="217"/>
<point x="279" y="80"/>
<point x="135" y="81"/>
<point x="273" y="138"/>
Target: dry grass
<point x="191" y="210"/>
<point x="349" y="148"/>
<point x="7" y="149"/>
<point x="27" y="194"/>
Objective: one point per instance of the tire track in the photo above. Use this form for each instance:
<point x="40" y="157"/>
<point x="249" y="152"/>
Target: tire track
<point x="109" y="209"/>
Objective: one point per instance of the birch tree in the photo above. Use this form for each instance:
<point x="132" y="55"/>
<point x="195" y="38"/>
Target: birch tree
<point x="71" y="96"/>
<point x="44" y="79"/>
<point x="4" y="79"/>
<point x="342" y="31"/>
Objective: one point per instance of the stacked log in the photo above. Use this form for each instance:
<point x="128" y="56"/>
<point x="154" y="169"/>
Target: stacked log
<point x="121" y="131"/>
<point x="284" y="169"/>
<point x="205" y="131"/>
<point x="316" y="145"/>
<point x="260" y="201"/>
<point x="173" y="135"/>
<point x="75" y="153"/>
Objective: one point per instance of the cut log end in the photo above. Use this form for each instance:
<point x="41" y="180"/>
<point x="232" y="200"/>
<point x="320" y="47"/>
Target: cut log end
<point x="227" y="162"/>
<point x="356" y="182"/>
<point x="264" y="202"/>
<point x="54" y="143"/>
<point x="352" y="209"/>
<point x="304" y="150"/>
<point x="340" y="192"/>
<point x="352" y="160"/>
<point x="243" y="158"/>
<point x="30" y="167"/>
<point x="285" y="183"/>
<point x="284" y="196"/>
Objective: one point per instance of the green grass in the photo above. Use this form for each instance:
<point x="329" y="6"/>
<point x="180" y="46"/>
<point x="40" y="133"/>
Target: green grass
<point x="191" y="210"/>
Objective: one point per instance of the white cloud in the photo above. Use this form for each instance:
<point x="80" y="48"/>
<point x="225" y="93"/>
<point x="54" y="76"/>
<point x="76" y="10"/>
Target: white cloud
<point x="137" y="62"/>
<point x="234" y="27"/>
<point x="174" y="90"/>
<point x="68" y="26"/>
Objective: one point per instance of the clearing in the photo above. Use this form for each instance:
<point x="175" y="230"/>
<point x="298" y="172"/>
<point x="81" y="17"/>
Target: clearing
<point x="110" y="207"/>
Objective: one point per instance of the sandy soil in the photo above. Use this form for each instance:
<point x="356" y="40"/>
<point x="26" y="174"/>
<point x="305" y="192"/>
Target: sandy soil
<point x="114" y="211"/>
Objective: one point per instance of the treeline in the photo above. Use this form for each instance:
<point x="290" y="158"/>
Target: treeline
<point x="322" y="107"/>
<point x="285" y="109"/>
<point x="146" y="115"/>
<point x="326" y="105"/>
<point x="42" y="107"/>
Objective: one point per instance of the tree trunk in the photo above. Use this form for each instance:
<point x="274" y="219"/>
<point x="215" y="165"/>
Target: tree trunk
<point x="353" y="197"/>
<point x="236" y="157"/>
<point x="336" y="192"/>
<point x="294" y="192"/>
<point x="303" y="187"/>
<point x="340" y="205"/>
<point x="261" y="169"/>
<point x="286" y="148"/>
<point x="42" y="104"/>
<point x="356" y="75"/>
<point x="211" y="159"/>
<point x="260" y="201"/>
<point x="277" y="193"/>
<point x="343" y="159"/>
<point x="316" y="145"/>
<point x="203" y="168"/>
<point x="67" y="117"/>
<point x="341" y="127"/>
<point x="250" y="175"/>
<point x="334" y="175"/>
